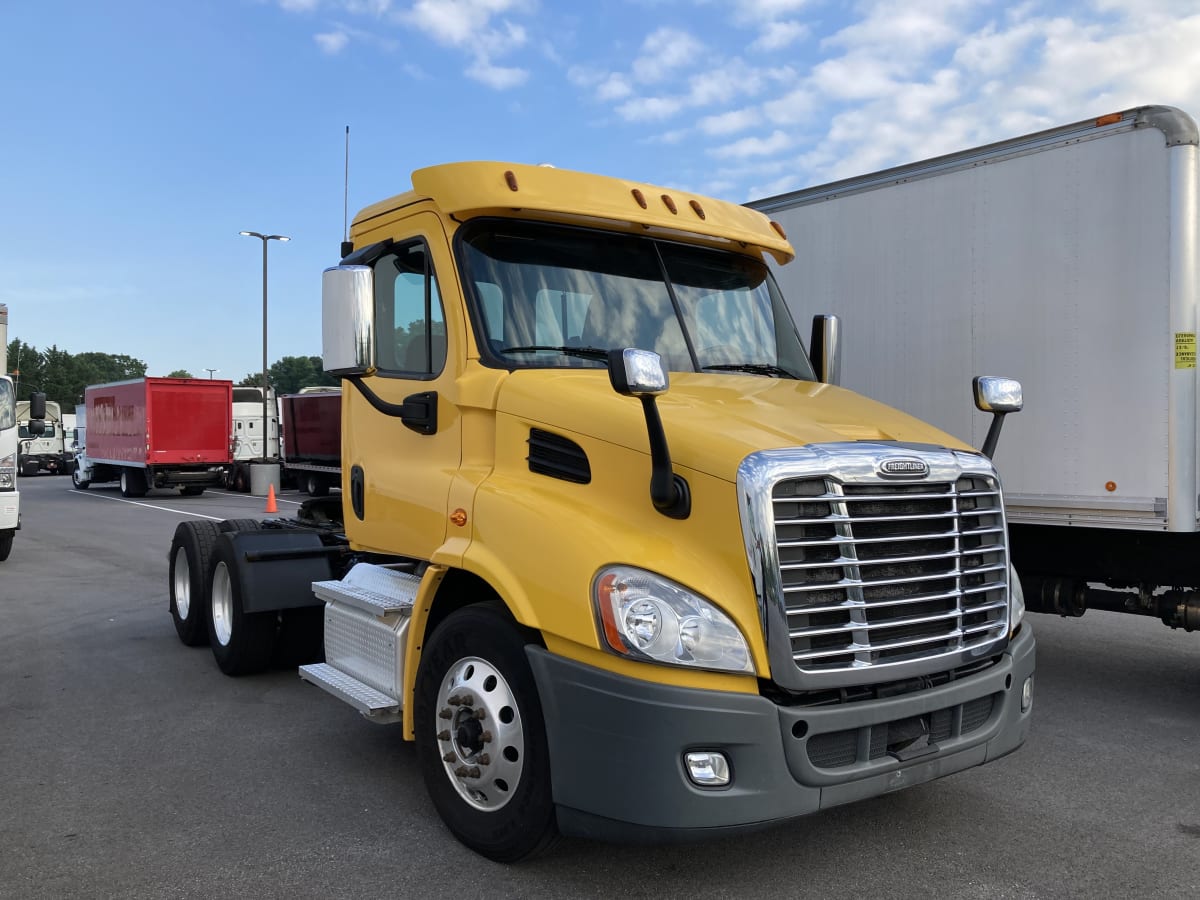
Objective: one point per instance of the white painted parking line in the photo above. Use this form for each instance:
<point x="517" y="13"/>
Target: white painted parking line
<point x="182" y="512"/>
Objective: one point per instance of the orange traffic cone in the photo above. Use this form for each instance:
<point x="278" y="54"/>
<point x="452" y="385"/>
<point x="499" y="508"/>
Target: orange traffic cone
<point x="271" y="507"/>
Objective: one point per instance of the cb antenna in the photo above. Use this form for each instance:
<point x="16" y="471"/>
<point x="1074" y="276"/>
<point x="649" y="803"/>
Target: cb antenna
<point x="347" y="247"/>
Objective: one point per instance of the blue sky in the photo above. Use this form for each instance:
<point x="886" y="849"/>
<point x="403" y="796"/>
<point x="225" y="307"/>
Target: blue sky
<point x="140" y="136"/>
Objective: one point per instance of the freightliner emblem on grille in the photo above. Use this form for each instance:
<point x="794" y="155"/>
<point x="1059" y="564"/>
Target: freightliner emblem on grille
<point x="904" y="467"/>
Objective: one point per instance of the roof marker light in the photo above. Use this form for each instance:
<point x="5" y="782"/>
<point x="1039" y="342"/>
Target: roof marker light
<point x="1110" y="119"/>
<point x="670" y="204"/>
<point x="639" y="197"/>
<point x="699" y="210"/>
<point x="511" y="180"/>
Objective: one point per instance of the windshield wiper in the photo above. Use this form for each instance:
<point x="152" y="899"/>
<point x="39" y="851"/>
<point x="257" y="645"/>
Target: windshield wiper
<point x="751" y="368"/>
<point x="582" y="352"/>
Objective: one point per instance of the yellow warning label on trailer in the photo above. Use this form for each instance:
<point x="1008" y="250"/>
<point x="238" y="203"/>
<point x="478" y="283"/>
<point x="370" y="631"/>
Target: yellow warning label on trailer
<point x="1185" y="349"/>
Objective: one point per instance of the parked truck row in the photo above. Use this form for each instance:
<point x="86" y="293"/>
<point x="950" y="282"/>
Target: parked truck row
<point x="1069" y="258"/>
<point x="611" y="547"/>
<point x="12" y="436"/>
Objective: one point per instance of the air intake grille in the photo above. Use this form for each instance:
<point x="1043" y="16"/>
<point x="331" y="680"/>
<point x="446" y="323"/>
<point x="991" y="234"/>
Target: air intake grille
<point x="559" y="457"/>
<point x="883" y="572"/>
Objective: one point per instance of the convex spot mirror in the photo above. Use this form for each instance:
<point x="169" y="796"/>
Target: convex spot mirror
<point x="994" y="393"/>
<point x="637" y="373"/>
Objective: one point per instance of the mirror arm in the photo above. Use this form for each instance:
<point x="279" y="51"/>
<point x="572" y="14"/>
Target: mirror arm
<point x="668" y="492"/>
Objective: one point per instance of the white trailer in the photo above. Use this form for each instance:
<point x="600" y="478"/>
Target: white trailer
<point x="1069" y="260"/>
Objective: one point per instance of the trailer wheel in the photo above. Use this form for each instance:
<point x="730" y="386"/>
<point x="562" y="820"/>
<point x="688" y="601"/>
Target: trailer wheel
<point x="481" y="737"/>
<point x="242" y="642"/>
<point x="78" y="480"/>
<point x="316" y="485"/>
<point x="239" y="525"/>
<point x="133" y="483"/>
<point x="6" y="542"/>
<point x="241" y="481"/>
<point x="191" y="561"/>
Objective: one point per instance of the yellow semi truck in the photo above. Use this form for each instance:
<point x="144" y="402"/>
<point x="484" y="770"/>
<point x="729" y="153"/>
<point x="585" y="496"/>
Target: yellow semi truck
<point x="611" y="547"/>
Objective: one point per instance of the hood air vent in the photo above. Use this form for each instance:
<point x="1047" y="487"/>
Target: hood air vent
<point x="557" y="456"/>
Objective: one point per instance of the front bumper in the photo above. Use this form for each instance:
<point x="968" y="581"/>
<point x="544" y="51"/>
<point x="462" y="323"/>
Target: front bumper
<point x="617" y="747"/>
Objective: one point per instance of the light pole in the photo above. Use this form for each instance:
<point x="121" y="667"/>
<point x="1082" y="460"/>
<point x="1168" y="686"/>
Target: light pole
<point x="210" y="372"/>
<point x="265" y="238"/>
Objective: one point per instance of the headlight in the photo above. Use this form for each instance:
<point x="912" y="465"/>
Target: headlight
<point x="8" y="472"/>
<point x="1016" y="601"/>
<point x="647" y="617"/>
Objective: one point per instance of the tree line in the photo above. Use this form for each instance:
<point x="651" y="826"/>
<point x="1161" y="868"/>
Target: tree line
<point x="63" y="376"/>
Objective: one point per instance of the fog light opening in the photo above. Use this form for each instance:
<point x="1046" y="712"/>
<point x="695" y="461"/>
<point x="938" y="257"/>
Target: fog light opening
<point x="1027" y="694"/>
<point x="707" y="768"/>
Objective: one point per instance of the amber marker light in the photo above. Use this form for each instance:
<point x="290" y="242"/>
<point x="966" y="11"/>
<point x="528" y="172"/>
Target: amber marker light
<point x="669" y="204"/>
<point x="604" y="592"/>
<point x="697" y="208"/>
<point x="1110" y="486"/>
<point x="510" y="179"/>
<point x="459" y="517"/>
<point x="1110" y="119"/>
<point x="639" y="197"/>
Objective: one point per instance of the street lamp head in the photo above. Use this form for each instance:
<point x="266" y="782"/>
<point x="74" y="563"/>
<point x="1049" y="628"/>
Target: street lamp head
<point x="265" y="237"/>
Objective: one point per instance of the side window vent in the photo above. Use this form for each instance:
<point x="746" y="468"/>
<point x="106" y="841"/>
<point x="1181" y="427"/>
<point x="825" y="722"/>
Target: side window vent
<point x="557" y="456"/>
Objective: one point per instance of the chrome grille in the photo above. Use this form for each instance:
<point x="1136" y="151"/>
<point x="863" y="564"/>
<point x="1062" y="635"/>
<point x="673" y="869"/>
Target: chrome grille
<point x="885" y="572"/>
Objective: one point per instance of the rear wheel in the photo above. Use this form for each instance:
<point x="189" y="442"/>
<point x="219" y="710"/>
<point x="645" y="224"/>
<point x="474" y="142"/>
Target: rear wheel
<point x="191" y="560"/>
<point x="481" y="737"/>
<point x="315" y="485"/>
<point x="133" y="483"/>
<point x="242" y="642"/>
<point x="241" y="480"/>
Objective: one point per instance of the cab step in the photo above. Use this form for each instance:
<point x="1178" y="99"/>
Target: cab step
<point x="375" y="705"/>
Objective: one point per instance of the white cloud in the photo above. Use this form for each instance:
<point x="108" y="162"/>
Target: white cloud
<point x="499" y="77"/>
<point x="777" y="35"/>
<point x="730" y="122"/>
<point x="665" y="51"/>
<point x="650" y="109"/>
<point x="333" y="42"/>
<point x="754" y="146"/>
<point x="614" y="87"/>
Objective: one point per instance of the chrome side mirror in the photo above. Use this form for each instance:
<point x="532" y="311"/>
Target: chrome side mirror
<point x="637" y="373"/>
<point x="999" y="396"/>
<point x="825" y="349"/>
<point x="348" y="320"/>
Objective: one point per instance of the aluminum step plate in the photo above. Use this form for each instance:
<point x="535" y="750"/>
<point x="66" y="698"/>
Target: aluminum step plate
<point x="374" y="589"/>
<point x="376" y="706"/>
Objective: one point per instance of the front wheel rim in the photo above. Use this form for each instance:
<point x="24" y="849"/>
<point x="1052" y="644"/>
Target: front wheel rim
<point x="222" y="604"/>
<point x="479" y="734"/>
<point x="183" y="584"/>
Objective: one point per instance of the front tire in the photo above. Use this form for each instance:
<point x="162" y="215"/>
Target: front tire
<point x="242" y="642"/>
<point x="191" y="560"/>
<point x="6" y="542"/>
<point x="481" y="737"/>
<point x="78" y="480"/>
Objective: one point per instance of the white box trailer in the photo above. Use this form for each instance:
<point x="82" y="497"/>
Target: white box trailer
<point x="1067" y="259"/>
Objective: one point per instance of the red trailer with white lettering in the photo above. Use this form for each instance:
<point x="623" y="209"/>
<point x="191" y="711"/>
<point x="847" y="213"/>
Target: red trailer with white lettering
<point x="157" y="433"/>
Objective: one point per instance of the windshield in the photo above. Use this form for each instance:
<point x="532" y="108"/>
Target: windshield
<point x="24" y="431"/>
<point x="549" y="295"/>
<point x="8" y="405"/>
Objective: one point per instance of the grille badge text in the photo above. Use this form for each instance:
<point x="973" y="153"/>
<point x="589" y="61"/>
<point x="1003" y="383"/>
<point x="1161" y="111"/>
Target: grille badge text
<point x="905" y="467"/>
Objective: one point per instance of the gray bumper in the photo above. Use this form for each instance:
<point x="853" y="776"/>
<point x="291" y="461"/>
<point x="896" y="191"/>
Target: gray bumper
<point x="617" y="746"/>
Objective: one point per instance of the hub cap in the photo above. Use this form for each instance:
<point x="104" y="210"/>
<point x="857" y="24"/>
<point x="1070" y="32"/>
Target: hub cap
<point x="222" y="604"/>
<point x="480" y="736"/>
<point x="183" y="584"/>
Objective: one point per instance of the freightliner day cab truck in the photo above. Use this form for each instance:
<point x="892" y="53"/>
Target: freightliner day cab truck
<point x="157" y="433"/>
<point x="1070" y="259"/>
<point x="612" y="553"/>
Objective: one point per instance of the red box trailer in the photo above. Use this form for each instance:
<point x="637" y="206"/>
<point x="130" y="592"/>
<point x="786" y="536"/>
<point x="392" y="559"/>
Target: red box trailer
<point x="157" y="433"/>
<point x="312" y="439"/>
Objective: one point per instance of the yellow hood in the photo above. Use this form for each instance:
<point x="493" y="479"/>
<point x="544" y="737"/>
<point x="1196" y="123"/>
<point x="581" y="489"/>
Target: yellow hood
<point x="712" y="422"/>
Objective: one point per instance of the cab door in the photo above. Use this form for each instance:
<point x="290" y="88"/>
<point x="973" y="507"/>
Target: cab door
<point x="401" y="427"/>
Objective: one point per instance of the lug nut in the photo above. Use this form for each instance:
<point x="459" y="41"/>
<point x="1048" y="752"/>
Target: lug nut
<point x="481" y="714"/>
<point x="484" y="759"/>
<point x="450" y="757"/>
<point x="486" y="737"/>
<point x="455" y="700"/>
<point x="446" y="714"/>
<point x="461" y="772"/>
<point x="444" y="735"/>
